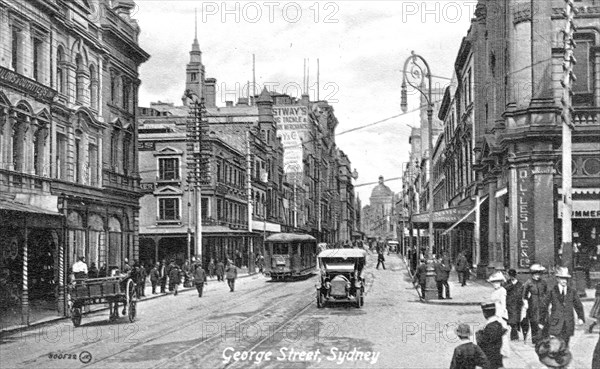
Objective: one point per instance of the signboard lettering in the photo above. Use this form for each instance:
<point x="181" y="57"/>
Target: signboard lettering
<point x="525" y="234"/>
<point x="27" y="85"/>
<point x="293" y="128"/>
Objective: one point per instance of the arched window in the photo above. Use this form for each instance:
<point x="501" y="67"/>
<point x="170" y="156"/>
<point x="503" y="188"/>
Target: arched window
<point x="39" y="142"/>
<point x="19" y="133"/>
<point x="78" y="165"/>
<point x="79" y="88"/>
<point x="93" y="87"/>
<point x="60" y="71"/>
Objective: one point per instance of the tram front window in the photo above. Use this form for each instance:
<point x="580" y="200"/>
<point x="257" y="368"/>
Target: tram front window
<point x="280" y="249"/>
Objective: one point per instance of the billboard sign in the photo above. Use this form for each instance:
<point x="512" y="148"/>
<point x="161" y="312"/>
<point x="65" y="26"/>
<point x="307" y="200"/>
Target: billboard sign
<point x="293" y="128"/>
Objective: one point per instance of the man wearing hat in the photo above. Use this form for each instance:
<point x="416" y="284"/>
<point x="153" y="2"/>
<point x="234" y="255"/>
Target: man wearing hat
<point x="514" y="303"/>
<point x="534" y="294"/>
<point x="563" y="300"/>
<point x="491" y="336"/>
<point x="467" y="355"/>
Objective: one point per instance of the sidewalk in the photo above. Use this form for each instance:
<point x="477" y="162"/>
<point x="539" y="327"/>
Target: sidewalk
<point x="476" y="291"/>
<point x="523" y="353"/>
<point x="11" y="322"/>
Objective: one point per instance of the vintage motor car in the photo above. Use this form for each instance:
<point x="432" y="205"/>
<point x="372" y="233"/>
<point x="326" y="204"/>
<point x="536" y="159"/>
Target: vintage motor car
<point x="341" y="276"/>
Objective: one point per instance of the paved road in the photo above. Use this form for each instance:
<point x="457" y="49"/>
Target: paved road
<point x="268" y="325"/>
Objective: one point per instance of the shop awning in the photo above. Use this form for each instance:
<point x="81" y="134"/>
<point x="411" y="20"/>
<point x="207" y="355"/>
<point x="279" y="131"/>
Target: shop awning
<point x="182" y="230"/>
<point x="259" y="226"/>
<point x="48" y="205"/>
<point x="446" y="216"/>
<point x="466" y="215"/>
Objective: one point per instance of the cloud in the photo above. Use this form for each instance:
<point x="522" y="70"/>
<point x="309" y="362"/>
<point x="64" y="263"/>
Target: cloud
<point x="361" y="47"/>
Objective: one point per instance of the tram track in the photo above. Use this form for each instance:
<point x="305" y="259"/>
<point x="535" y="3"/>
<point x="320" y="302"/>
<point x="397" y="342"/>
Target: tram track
<point x="268" y="287"/>
<point x="248" y="321"/>
<point x="218" y="310"/>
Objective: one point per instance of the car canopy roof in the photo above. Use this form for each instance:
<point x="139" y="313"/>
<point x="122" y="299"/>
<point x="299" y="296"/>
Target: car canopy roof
<point x="343" y="253"/>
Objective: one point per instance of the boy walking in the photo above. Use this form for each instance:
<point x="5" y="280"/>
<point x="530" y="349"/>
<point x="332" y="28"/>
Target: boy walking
<point x="467" y="355"/>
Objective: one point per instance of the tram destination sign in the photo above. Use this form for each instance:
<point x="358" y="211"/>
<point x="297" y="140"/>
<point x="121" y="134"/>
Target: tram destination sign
<point x="27" y="85"/>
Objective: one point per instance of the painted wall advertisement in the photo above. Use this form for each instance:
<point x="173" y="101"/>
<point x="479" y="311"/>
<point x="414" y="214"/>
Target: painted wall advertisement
<point x="293" y="128"/>
<point x="525" y="226"/>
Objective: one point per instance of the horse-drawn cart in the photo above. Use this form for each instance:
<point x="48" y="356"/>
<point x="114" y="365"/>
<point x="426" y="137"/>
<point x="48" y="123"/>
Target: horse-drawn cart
<point x="111" y="290"/>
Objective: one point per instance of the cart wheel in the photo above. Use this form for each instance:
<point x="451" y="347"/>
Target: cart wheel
<point x="320" y="300"/>
<point x="76" y="316"/>
<point x="359" y="298"/>
<point x="132" y="310"/>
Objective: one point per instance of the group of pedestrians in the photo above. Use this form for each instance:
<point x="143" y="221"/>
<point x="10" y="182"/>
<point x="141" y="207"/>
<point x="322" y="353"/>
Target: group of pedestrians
<point x="523" y="307"/>
<point x="441" y="267"/>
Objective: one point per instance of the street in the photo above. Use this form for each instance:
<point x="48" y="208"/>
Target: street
<point x="268" y="325"/>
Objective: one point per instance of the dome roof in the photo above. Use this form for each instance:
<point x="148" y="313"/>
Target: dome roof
<point x="381" y="190"/>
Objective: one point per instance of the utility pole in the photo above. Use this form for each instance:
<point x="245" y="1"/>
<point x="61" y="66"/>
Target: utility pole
<point x="249" y="191"/>
<point x="567" y="181"/>
<point x="198" y="150"/>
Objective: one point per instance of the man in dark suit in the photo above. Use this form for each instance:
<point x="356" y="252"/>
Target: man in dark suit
<point x="442" y="274"/>
<point x="564" y="300"/>
<point x="199" y="278"/>
<point x="490" y="337"/>
<point x="534" y="294"/>
<point x="162" y="272"/>
<point x="514" y="303"/>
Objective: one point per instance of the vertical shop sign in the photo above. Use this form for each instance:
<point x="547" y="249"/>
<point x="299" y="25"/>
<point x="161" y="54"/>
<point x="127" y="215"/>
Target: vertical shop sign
<point x="525" y="229"/>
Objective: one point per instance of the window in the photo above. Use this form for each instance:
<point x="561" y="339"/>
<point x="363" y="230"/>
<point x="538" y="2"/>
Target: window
<point x="93" y="87"/>
<point x="79" y="88"/>
<point x="78" y="160"/>
<point x="126" y="153"/>
<point x="114" y="150"/>
<point x="60" y="73"/>
<point x="114" y="87"/>
<point x="168" y="208"/>
<point x="93" y="164"/>
<point x="583" y="87"/>
<point x="193" y="76"/>
<point x="168" y="169"/>
<point x="15" y="48"/>
<point x="38" y="151"/>
<point x="61" y="156"/>
<point x="126" y="94"/>
<point x="37" y="59"/>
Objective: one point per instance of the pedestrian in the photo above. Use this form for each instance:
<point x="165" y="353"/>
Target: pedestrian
<point x="126" y="267"/>
<point x="199" y="278"/>
<point x="141" y="282"/>
<point x="490" y="337"/>
<point x="220" y="270"/>
<point x="155" y="277"/>
<point x="421" y="277"/>
<point x="174" y="277"/>
<point x="211" y="268"/>
<point x="80" y="269"/>
<point x="260" y="262"/>
<point x="595" y="312"/>
<point x="93" y="271"/>
<point x="186" y="270"/>
<point x="467" y="355"/>
<point x="533" y="316"/>
<point x="163" y="276"/>
<point x="514" y="303"/>
<point x="564" y="301"/>
<point x="442" y="274"/>
<point x="380" y="258"/>
<point x="462" y="268"/>
<point x="498" y="296"/>
<point x="102" y="272"/>
<point x="231" y="274"/>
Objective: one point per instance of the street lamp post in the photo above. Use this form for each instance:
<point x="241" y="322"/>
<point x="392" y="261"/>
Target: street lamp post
<point x="418" y="73"/>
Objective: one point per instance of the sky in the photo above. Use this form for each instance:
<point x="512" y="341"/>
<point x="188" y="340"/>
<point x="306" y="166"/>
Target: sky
<point x="361" y="47"/>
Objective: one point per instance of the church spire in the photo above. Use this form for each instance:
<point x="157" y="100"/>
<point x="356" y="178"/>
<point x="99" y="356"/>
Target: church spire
<point x="195" y="69"/>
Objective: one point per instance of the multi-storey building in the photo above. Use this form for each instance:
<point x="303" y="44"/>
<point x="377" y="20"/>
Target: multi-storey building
<point x="379" y="218"/>
<point x="503" y="137"/>
<point x="68" y="143"/>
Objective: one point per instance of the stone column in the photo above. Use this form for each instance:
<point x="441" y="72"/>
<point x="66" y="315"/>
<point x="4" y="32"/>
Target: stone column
<point x="543" y="208"/>
<point x="492" y="224"/>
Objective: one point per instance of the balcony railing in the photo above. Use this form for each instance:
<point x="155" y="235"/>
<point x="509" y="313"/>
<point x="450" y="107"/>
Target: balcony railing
<point x="586" y="116"/>
<point x="121" y="181"/>
<point x="23" y="182"/>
